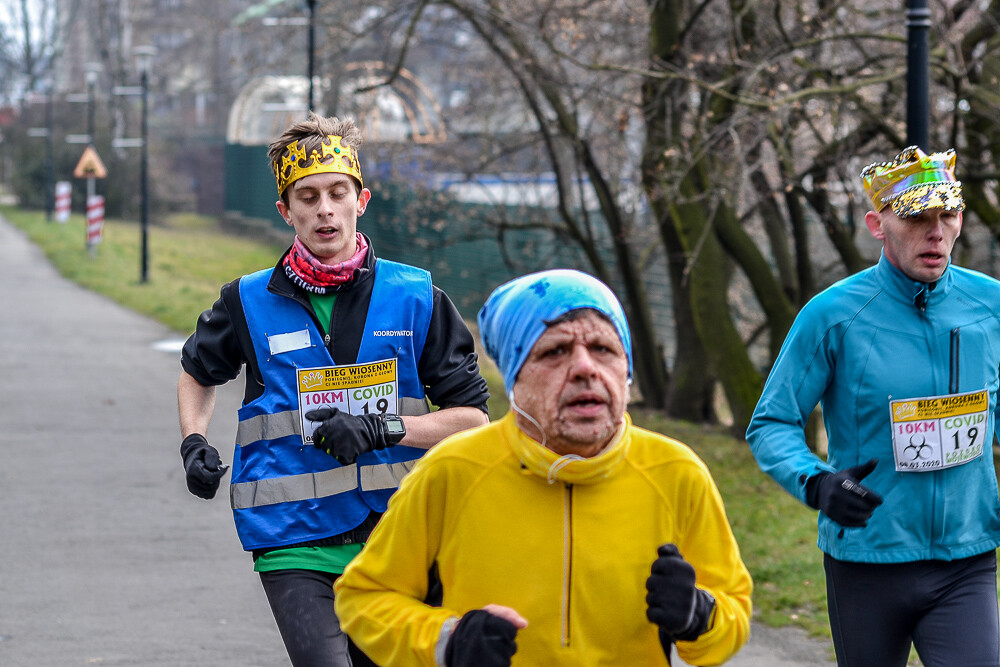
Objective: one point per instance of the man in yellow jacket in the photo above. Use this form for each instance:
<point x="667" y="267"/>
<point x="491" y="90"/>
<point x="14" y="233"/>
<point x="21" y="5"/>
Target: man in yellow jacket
<point x="561" y="534"/>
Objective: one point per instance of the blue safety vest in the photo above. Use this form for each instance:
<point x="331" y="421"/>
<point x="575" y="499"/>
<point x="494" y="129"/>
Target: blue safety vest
<point x="284" y="491"/>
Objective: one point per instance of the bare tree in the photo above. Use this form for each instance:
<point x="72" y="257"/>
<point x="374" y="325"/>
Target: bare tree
<point x="31" y="40"/>
<point x="728" y="134"/>
<point x="755" y="118"/>
<point x="543" y="110"/>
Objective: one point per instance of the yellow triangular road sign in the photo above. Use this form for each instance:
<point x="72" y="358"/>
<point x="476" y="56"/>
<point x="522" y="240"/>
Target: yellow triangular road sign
<point x="90" y="165"/>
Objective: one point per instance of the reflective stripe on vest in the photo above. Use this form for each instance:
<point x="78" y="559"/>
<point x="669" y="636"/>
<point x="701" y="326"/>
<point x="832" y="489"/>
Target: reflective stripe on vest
<point x="282" y="424"/>
<point x="317" y="485"/>
<point x="385" y="476"/>
<point x="293" y="487"/>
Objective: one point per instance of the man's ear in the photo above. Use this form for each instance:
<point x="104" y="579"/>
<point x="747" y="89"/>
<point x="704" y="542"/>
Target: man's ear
<point x="363" y="198"/>
<point x="874" y="223"/>
<point x="283" y="210"/>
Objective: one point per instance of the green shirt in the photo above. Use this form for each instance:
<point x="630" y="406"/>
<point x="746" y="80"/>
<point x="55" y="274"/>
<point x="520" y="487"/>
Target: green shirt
<point x="331" y="558"/>
<point x="323" y="305"/>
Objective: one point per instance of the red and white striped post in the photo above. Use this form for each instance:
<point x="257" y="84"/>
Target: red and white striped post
<point x="95" y="220"/>
<point x="64" y="193"/>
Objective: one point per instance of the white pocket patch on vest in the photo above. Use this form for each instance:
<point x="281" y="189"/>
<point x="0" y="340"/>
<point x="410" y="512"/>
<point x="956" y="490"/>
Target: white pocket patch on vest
<point x="286" y="342"/>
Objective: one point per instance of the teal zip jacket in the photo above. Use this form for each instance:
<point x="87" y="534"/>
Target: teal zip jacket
<point x="873" y="337"/>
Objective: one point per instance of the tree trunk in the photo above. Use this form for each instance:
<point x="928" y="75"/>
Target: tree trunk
<point x="688" y="228"/>
<point x="558" y="120"/>
<point x="741" y="247"/>
<point x="708" y="291"/>
<point x="692" y="384"/>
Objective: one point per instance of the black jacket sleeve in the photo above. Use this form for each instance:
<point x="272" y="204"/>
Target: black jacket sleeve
<point x="212" y="355"/>
<point x="449" y="365"/>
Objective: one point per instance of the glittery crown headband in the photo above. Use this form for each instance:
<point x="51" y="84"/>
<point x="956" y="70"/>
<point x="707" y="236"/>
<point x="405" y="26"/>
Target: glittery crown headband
<point x="914" y="182"/>
<point x="333" y="157"/>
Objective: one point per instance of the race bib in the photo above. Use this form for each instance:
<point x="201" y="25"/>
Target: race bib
<point x="357" y="389"/>
<point x="938" y="432"/>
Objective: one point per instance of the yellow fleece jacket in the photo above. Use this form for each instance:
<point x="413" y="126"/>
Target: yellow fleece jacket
<point x="567" y="543"/>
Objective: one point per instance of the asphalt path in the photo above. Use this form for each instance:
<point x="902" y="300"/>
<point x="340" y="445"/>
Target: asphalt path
<point x="105" y="558"/>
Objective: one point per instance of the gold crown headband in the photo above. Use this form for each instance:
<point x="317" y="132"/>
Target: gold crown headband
<point x="333" y="157"/>
<point x="914" y="182"/>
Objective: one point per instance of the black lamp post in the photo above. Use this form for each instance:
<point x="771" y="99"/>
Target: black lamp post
<point x="49" y="177"/>
<point x="93" y="71"/>
<point x="918" y="21"/>
<point x="309" y="21"/>
<point x="311" y="5"/>
<point x="46" y="133"/>
<point x="144" y="56"/>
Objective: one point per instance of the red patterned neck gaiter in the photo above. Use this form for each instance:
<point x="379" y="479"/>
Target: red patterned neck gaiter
<point x="312" y="275"/>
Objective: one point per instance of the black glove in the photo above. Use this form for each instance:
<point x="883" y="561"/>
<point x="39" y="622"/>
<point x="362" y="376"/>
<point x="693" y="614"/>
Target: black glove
<point x="678" y="608"/>
<point x="481" y="640"/>
<point x="203" y="466"/>
<point x="345" y="436"/>
<point x="840" y="496"/>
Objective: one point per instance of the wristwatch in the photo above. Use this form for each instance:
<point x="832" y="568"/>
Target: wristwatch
<point x="395" y="430"/>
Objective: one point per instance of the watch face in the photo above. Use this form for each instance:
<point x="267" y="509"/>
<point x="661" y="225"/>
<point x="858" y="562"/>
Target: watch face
<point x="394" y="425"/>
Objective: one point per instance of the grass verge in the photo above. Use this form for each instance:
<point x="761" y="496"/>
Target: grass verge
<point x="187" y="262"/>
<point x="189" y="259"/>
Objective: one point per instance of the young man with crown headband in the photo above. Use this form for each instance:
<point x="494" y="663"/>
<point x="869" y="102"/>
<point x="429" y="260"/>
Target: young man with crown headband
<point x="342" y="352"/>
<point x="561" y="534"/>
<point x="904" y="358"/>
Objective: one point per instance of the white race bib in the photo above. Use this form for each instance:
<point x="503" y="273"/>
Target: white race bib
<point x="356" y="389"/>
<point x="937" y="432"/>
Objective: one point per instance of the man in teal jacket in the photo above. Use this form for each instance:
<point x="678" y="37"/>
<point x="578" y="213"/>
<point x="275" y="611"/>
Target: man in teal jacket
<point x="904" y="358"/>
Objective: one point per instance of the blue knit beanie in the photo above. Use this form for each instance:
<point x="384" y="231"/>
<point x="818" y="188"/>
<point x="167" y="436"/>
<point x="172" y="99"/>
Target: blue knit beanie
<point x="514" y="316"/>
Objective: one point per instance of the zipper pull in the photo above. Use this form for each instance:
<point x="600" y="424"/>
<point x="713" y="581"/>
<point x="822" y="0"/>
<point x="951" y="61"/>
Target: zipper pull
<point x="326" y="340"/>
<point x="920" y="300"/>
<point x="953" y="365"/>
